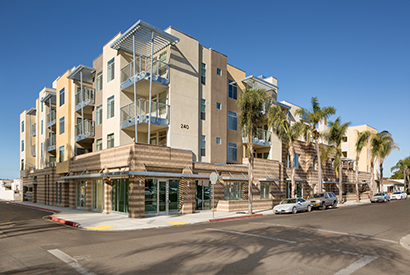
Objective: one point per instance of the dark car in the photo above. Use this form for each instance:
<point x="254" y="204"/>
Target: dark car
<point x="322" y="200"/>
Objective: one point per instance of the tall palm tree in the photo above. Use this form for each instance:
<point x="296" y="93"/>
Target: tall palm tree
<point x="337" y="131"/>
<point x="289" y="133"/>
<point x="313" y="117"/>
<point x="382" y="144"/>
<point x="252" y="103"/>
<point x="361" y="142"/>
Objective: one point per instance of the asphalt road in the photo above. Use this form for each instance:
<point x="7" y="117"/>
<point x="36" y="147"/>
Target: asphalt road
<point x="348" y="240"/>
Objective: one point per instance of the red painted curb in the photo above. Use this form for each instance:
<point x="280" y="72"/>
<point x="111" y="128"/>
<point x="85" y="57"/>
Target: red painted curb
<point x="55" y="219"/>
<point x="36" y="207"/>
<point x="234" y="218"/>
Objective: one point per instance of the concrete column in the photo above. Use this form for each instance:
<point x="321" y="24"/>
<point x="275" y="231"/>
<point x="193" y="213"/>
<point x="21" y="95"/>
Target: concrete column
<point x="107" y="196"/>
<point x="136" y="197"/>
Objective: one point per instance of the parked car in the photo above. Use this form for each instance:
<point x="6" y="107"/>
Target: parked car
<point x="322" y="200"/>
<point x="398" y="195"/>
<point x="380" y="197"/>
<point x="292" y="205"/>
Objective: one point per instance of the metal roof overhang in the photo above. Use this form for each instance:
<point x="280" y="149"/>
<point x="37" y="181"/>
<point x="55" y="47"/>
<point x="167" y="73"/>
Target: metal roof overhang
<point x="289" y="179"/>
<point x="32" y="111"/>
<point x="136" y="173"/>
<point x="268" y="179"/>
<point x="143" y="34"/>
<point x="260" y="83"/>
<point x="347" y="159"/>
<point x="87" y="74"/>
<point x="283" y="105"/>
<point x="234" y="178"/>
<point x="50" y="95"/>
<point x="351" y="183"/>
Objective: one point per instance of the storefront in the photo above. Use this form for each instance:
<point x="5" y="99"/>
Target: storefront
<point x="161" y="196"/>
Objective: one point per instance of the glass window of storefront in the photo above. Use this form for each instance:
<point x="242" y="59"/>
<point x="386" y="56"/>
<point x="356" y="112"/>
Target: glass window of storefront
<point x="161" y="196"/>
<point x="233" y="191"/>
<point x="119" y="195"/>
<point x="97" y="190"/>
<point x="265" y="190"/>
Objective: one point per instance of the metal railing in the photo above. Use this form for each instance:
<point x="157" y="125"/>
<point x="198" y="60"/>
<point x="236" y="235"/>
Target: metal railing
<point x="84" y="129"/>
<point x="51" y="118"/>
<point x="143" y="64"/>
<point x="261" y="134"/>
<point x="51" y="142"/>
<point x="158" y="110"/>
<point x="84" y="97"/>
<point x="51" y="164"/>
<point x="33" y="150"/>
<point x="33" y="129"/>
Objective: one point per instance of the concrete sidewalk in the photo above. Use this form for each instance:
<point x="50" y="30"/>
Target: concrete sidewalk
<point x="119" y="221"/>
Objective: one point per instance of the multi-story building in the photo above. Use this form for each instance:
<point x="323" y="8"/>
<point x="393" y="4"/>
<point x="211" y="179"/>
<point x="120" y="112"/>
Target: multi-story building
<point x="142" y="129"/>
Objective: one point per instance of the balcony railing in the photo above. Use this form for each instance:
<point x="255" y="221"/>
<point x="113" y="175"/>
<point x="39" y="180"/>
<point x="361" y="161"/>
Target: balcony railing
<point x="33" y="129"/>
<point x="51" y="164"/>
<point x="159" y="113"/>
<point x="51" y="143"/>
<point x="84" y="98"/>
<point x="51" y="118"/>
<point x="84" y="130"/>
<point x="261" y="137"/>
<point x="160" y="71"/>
<point x="33" y="150"/>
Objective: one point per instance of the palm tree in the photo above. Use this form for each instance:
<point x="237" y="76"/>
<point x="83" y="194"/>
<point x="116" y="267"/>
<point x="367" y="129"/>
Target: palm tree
<point x="361" y="142"/>
<point x="289" y="133"/>
<point x="251" y="103"/>
<point x="313" y="117"/>
<point x="381" y="145"/>
<point x="402" y="171"/>
<point x="337" y="131"/>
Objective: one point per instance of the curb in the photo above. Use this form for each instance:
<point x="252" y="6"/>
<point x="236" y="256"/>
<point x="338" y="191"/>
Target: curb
<point x="36" y="207"/>
<point x="70" y="223"/>
<point x="234" y="218"/>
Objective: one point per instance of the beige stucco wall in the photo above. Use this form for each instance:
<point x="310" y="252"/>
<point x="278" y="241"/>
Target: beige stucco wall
<point x="364" y="161"/>
<point x="25" y="155"/>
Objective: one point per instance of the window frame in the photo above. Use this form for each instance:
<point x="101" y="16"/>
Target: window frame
<point x="219" y="71"/>
<point x="232" y="151"/>
<point x="111" y="69"/>
<point x="232" y="90"/>
<point x="219" y="106"/>
<point x="110" y="107"/>
<point x="110" y="141"/>
<point x="61" y="123"/>
<point x="203" y="109"/>
<point x="99" y="81"/>
<point x="99" y="115"/>
<point x="98" y="144"/>
<point x="232" y="120"/>
<point x="203" y="146"/>
<point x="203" y="73"/>
<point x="22" y="126"/>
<point x="62" y="96"/>
<point x="61" y="154"/>
<point x="218" y="141"/>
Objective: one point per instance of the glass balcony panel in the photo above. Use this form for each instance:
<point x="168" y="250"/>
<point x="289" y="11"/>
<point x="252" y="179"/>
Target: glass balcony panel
<point x="33" y="129"/>
<point x="51" y="118"/>
<point x="84" y="130"/>
<point x="85" y="97"/>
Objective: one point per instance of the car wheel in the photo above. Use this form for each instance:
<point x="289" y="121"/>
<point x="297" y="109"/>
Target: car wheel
<point x="309" y="208"/>
<point x="323" y="206"/>
<point x="294" y="210"/>
<point x="334" y="205"/>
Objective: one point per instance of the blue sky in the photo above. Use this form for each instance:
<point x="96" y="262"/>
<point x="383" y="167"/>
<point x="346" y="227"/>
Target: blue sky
<point x="353" y="55"/>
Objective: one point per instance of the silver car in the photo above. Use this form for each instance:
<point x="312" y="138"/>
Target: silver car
<point x="293" y="206"/>
<point x="380" y="197"/>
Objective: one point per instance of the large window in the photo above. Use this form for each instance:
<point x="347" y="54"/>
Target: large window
<point x="232" y="151"/>
<point x="61" y="153"/>
<point x="203" y="108"/>
<point x="110" y="107"/>
<point x="97" y="190"/>
<point x="203" y="73"/>
<point x="159" y="138"/>
<point x="62" y="96"/>
<point x="98" y="146"/>
<point x="99" y="114"/>
<point x="295" y="159"/>
<point x="110" y="140"/>
<point x="62" y="125"/>
<point x="203" y="145"/>
<point x="22" y="126"/>
<point x="232" y="121"/>
<point x="110" y="70"/>
<point x="264" y="190"/>
<point x="99" y="81"/>
<point x="232" y="90"/>
<point x="233" y="191"/>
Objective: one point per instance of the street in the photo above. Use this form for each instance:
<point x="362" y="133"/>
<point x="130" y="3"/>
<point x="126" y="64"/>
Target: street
<point x="362" y="239"/>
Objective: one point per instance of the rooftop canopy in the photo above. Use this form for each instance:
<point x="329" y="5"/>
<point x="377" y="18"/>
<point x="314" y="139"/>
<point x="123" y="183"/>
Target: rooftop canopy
<point x="87" y="74"/>
<point x="143" y="33"/>
<point x="260" y="83"/>
<point x="32" y="111"/>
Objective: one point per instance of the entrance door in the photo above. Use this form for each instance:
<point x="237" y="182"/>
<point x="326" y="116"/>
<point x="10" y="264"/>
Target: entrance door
<point x="202" y="195"/>
<point x="161" y="196"/>
<point x="81" y="194"/>
<point x="119" y="195"/>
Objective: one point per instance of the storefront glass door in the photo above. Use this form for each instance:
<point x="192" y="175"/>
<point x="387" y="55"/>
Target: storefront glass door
<point x="81" y="194"/>
<point x="119" y="195"/>
<point x="161" y="196"/>
<point x="202" y="195"/>
<point x="97" y="190"/>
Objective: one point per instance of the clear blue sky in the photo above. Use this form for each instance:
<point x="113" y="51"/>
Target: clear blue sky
<point x="353" y="55"/>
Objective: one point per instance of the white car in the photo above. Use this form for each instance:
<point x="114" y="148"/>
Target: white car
<point x="293" y="206"/>
<point x="398" y="195"/>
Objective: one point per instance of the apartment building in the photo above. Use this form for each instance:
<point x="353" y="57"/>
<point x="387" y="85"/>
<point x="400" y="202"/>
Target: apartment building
<point x="142" y="129"/>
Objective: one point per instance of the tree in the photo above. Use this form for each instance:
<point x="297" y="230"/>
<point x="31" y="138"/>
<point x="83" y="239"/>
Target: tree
<point x="289" y="133"/>
<point x="361" y="142"/>
<point x="252" y="103"/>
<point x="313" y="117"/>
<point x="337" y="131"/>
<point x="381" y="146"/>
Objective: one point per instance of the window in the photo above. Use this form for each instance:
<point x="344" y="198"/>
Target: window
<point x="232" y="90"/>
<point x="162" y="138"/>
<point x="162" y="68"/>
<point x="98" y="146"/>
<point x="367" y="153"/>
<point x="62" y="125"/>
<point x="232" y="151"/>
<point x="110" y="140"/>
<point x="297" y="165"/>
<point x="41" y="129"/>
<point x="264" y="190"/>
<point x="99" y="81"/>
<point x="233" y="191"/>
<point x="203" y="73"/>
<point x="22" y="145"/>
<point x="232" y="121"/>
<point x="42" y="106"/>
<point x="203" y="145"/>
<point x="110" y="70"/>
<point x="203" y="107"/>
<point x="110" y="107"/>
<point x="61" y="153"/>
<point x="218" y="140"/>
<point x="368" y="169"/>
<point x="315" y="163"/>
<point x="41" y="150"/>
<point x="22" y="126"/>
<point x="99" y="114"/>
<point x="218" y="106"/>
<point x="62" y="96"/>
<point x="218" y="71"/>
<point x="22" y="164"/>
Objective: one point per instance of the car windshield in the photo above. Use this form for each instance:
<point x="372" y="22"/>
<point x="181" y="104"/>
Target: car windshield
<point x="289" y="201"/>
<point x="379" y="194"/>
<point x="318" y="195"/>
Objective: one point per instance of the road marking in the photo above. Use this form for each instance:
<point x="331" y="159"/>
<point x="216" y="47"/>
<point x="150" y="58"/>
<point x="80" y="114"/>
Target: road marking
<point x="70" y="261"/>
<point x="102" y="227"/>
<point x="328" y="231"/>
<point x="356" y="265"/>
<point x="178" y="223"/>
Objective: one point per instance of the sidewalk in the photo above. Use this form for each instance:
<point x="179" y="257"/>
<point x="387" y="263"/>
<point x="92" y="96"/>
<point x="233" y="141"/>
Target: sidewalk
<point x="120" y="221"/>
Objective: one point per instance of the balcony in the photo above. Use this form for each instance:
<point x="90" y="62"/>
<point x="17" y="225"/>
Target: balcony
<point x="160" y="72"/>
<point x="33" y="150"/>
<point x="51" y="118"/>
<point x="84" y="131"/>
<point x="159" y="113"/>
<point x="33" y="130"/>
<point x="262" y="138"/>
<point x="84" y="98"/>
<point x="51" y="164"/>
<point x="51" y="143"/>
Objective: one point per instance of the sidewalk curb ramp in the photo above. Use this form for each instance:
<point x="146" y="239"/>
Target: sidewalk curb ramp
<point x="234" y="218"/>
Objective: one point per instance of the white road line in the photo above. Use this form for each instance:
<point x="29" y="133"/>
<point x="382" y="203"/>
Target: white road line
<point x="356" y="265"/>
<point x="327" y="231"/>
<point x="70" y="261"/>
